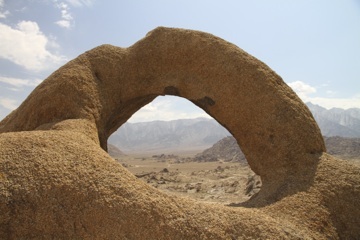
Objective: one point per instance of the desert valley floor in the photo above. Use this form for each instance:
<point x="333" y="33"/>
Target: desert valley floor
<point x="219" y="181"/>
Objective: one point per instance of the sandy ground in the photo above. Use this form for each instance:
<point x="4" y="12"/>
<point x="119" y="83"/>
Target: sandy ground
<point x="221" y="182"/>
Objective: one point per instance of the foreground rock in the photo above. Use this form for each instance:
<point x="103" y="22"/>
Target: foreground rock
<point x="57" y="182"/>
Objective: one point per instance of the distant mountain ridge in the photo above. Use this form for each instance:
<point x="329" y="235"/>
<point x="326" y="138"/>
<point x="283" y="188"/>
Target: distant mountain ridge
<point x="156" y="136"/>
<point x="228" y="150"/>
<point x="337" y="121"/>
<point x="201" y="133"/>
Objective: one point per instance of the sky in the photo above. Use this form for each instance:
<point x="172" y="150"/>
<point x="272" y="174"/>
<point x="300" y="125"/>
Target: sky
<point x="313" y="45"/>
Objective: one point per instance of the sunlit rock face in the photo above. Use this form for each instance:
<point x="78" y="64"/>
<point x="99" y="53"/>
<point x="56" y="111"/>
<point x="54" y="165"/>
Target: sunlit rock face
<point x="56" y="180"/>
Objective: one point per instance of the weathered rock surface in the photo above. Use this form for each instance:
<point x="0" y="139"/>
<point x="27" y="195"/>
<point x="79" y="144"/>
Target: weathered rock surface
<point x="57" y="182"/>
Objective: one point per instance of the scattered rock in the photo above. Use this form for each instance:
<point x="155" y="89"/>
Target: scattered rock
<point x="165" y="170"/>
<point x="253" y="185"/>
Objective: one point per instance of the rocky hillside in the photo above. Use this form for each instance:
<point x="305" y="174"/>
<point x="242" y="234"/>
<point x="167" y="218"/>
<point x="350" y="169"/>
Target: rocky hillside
<point x="227" y="150"/>
<point x="346" y="148"/>
<point x="114" y="151"/>
<point x="158" y="136"/>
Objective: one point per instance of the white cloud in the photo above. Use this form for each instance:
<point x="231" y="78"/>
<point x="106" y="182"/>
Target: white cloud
<point x="168" y="108"/>
<point x="18" y="83"/>
<point x="3" y="14"/>
<point x="27" y="46"/>
<point x="66" y="18"/>
<point x="330" y="92"/>
<point x="8" y="103"/>
<point x="345" y="103"/>
<point x="79" y="3"/>
<point x="63" y="23"/>
<point x="304" y="91"/>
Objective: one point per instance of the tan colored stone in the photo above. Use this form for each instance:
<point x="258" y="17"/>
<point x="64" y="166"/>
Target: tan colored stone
<point x="56" y="181"/>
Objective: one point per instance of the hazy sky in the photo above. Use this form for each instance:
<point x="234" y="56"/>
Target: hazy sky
<point x="313" y="45"/>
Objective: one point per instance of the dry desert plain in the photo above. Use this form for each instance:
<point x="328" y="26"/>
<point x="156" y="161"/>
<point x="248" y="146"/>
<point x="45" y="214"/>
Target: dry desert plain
<point x="220" y="182"/>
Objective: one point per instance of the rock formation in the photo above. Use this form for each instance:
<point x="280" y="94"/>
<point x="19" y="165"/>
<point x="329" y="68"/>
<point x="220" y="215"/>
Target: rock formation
<point x="56" y="180"/>
<point x="226" y="150"/>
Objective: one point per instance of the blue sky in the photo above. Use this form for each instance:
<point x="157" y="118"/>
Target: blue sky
<point x="313" y="45"/>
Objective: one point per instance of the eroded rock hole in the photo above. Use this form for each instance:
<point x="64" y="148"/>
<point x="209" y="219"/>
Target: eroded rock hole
<point x="176" y="147"/>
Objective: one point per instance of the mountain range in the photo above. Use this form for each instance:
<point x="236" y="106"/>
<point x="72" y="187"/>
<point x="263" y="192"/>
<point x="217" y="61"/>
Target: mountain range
<point x="228" y="150"/>
<point x="162" y="136"/>
<point x="337" y="121"/>
<point x="201" y="133"/>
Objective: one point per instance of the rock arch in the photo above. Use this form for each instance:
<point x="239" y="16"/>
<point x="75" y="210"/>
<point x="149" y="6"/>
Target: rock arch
<point x="108" y="84"/>
<point x="56" y="181"/>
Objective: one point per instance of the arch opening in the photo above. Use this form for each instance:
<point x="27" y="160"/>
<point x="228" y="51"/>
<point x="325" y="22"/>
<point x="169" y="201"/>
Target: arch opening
<point x="175" y="146"/>
<point x="239" y="91"/>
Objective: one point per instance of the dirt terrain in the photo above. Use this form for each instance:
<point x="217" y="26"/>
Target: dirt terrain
<point x="217" y="181"/>
<point x="223" y="182"/>
<point x="218" y="174"/>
